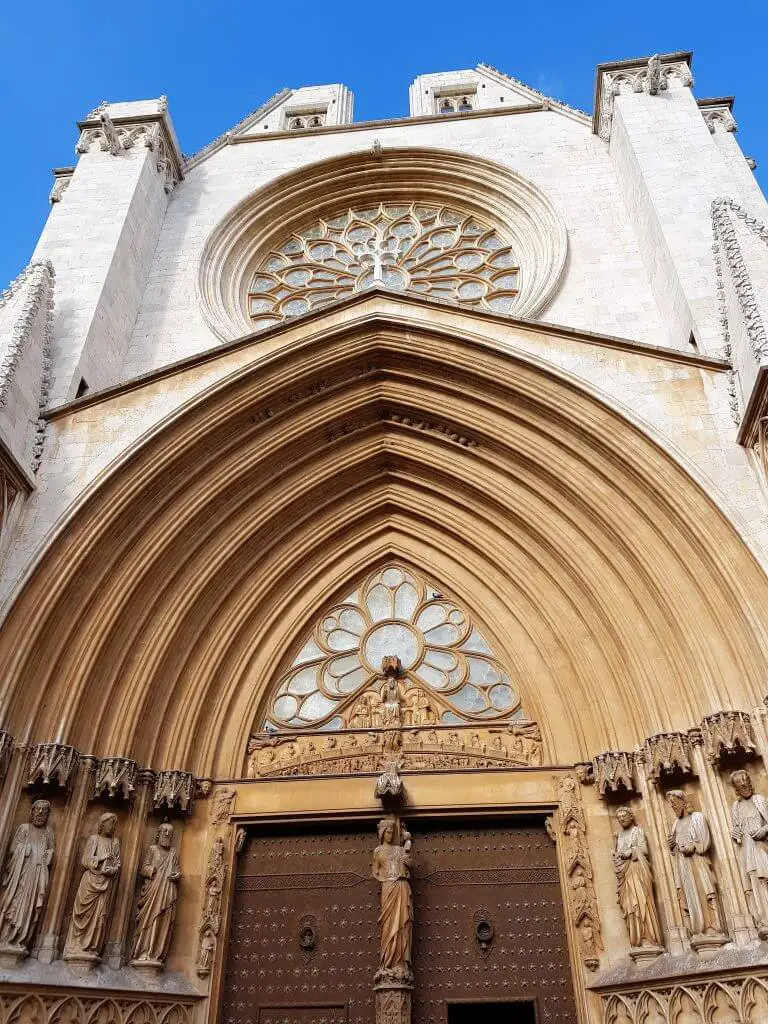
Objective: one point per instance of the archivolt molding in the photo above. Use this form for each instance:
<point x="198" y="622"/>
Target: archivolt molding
<point x="162" y="614"/>
<point x="524" y="217"/>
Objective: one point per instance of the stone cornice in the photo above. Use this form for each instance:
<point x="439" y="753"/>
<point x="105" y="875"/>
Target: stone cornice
<point x="641" y="74"/>
<point x="718" y="113"/>
<point x="222" y="140"/>
<point x="360" y="298"/>
<point x="153" y="130"/>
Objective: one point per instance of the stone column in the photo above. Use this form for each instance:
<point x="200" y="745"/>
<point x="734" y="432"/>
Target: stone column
<point x="67" y="836"/>
<point x="115" y="949"/>
<point x="715" y="804"/>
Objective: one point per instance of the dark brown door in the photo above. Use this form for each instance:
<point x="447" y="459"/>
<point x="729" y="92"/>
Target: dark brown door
<point x="489" y="935"/>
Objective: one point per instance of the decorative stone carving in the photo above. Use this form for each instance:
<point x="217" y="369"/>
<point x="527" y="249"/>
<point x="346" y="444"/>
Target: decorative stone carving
<point x="51" y="763"/>
<point x="117" y="136"/>
<point x="727" y="732"/>
<point x="93" y="901"/>
<point x="749" y="830"/>
<point x="718" y="116"/>
<point x="115" y="775"/>
<point x="585" y="772"/>
<point x="62" y="176"/>
<point x="615" y="771"/>
<point x="667" y="753"/>
<point x="156" y="911"/>
<point x="582" y="900"/>
<point x="733" y="997"/>
<point x="653" y="77"/>
<point x="440" y="748"/>
<point x="211" y="917"/>
<point x="25" y="883"/>
<point x="376" y="149"/>
<point x="223" y="805"/>
<point x="93" y="1008"/>
<point x="174" y="789"/>
<point x="634" y="887"/>
<point x="689" y="842"/>
<point x="389" y="783"/>
<point x="431" y="427"/>
<point x="392" y="868"/>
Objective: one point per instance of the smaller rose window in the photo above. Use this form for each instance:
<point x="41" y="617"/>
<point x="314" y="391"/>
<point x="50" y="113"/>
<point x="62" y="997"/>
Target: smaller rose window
<point x="393" y="613"/>
<point x="434" y="250"/>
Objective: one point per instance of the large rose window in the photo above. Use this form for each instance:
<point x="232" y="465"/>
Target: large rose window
<point x="434" y="250"/>
<point x="393" y="613"/>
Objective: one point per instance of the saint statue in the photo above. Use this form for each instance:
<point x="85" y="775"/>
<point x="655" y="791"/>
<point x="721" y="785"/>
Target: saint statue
<point x="634" y="884"/>
<point x="391" y="867"/>
<point x="25" y="881"/>
<point x="93" y="902"/>
<point x="749" y="830"/>
<point x="689" y="841"/>
<point x="157" y="901"/>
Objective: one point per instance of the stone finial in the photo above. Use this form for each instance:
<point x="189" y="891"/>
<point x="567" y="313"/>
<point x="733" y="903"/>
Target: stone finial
<point x="727" y="732"/>
<point x="614" y="770"/>
<point x="115" y="775"/>
<point x="174" y="789"/>
<point x="51" y="763"/>
<point x="666" y="753"/>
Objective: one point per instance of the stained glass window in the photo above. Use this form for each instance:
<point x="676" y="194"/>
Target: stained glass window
<point x="434" y="250"/>
<point x="394" y="612"/>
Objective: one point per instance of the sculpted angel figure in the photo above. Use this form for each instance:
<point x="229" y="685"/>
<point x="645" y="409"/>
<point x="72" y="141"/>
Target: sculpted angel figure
<point x="391" y="867"/>
<point x="634" y="883"/>
<point x="93" y="902"/>
<point x="749" y="830"/>
<point x="25" y="881"/>
<point x="689" y="842"/>
<point x="157" y="901"/>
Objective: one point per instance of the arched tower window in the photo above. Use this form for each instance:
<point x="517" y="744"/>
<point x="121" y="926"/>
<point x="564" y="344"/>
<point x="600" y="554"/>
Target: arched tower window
<point x="465" y="103"/>
<point x="447" y="106"/>
<point x="295" y="123"/>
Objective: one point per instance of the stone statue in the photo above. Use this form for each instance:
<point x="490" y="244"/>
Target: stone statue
<point x="634" y="883"/>
<point x="689" y="842"/>
<point x="157" y="902"/>
<point x="93" y="902"/>
<point x="749" y="830"/>
<point x="391" y="867"/>
<point x="25" y="882"/>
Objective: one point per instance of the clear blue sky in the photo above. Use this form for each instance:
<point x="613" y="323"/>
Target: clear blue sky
<point x="217" y="61"/>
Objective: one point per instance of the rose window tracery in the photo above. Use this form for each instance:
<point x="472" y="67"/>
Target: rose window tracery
<point x="445" y="659"/>
<point x="430" y="249"/>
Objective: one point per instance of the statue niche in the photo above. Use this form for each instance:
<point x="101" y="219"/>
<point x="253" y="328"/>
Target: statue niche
<point x="749" y="830"/>
<point x="634" y="888"/>
<point x="93" y="901"/>
<point x="25" y="883"/>
<point x="156" y="910"/>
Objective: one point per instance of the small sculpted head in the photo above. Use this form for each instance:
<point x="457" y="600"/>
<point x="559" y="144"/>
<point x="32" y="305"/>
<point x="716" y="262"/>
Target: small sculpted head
<point x="742" y="783"/>
<point x="625" y="817"/>
<point x="107" y="824"/>
<point x="165" y="835"/>
<point x="386" y="831"/>
<point x="678" y="801"/>
<point x="40" y="812"/>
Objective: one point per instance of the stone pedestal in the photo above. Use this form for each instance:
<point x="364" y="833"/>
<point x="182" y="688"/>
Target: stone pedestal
<point x="148" y="968"/>
<point x="642" y="953"/>
<point x="10" y="955"/>
<point x="393" y="998"/>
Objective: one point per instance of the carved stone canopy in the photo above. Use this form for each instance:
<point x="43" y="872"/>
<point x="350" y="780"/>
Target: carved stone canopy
<point x="174" y="790"/>
<point x="667" y="753"/>
<point x="728" y="733"/>
<point x="116" y="776"/>
<point x="615" y="772"/>
<point x="51" y="763"/>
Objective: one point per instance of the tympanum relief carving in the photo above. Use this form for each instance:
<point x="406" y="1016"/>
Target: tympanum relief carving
<point x="635" y="887"/>
<point x="25" y="883"/>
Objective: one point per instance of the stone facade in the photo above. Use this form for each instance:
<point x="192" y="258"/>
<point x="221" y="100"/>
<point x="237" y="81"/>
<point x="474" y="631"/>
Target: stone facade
<point x="515" y="351"/>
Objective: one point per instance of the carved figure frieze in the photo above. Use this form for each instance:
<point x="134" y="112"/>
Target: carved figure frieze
<point x="579" y="879"/>
<point x="115" y="776"/>
<point x="635" y="887"/>
<point x="210" y="924"/>
<point x="25" y="883"/>
<point x="174" y="789"/>
<point x="614" y="771"/>
<point x="727" y="732"/>
<point x="51" y="763"/>
<point x="749" y="830"/>
<point x="440" y="748"/>
<point x="156" y="912"/>
<point x="101" y="863"/>
<point x="667" y="753"/>
<point x="690" y="844"/>
<point x="392" y="869"/>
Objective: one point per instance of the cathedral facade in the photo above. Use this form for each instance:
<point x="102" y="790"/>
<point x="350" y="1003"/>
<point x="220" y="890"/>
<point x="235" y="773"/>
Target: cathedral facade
<point x="384" y="555"/>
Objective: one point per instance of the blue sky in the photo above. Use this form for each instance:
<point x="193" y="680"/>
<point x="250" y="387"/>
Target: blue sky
<point x="217" y="61"/>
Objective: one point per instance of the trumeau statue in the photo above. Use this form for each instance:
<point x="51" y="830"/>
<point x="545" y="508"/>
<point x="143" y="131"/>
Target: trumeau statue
<point x="93" y="902"/>
<point x="749" y="830"/>
<point x="157" y="902"/>
<point x="391" y="867"/>
<point x="689" y="842"/>
<point x="634" y="883"/>
<point x="25" y="882"/>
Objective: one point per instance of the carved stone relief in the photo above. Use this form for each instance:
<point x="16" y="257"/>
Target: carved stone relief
<point x="635" y="887"/>
<point x="25" y="883"/>
<point x="51" y="763"/>
<point x="115" y="776"/>
<point x="174" y="790"/>
<point x="93" y="902"/>
<point x="742" y="998"/>
<point x="213" y="889"/>
<point x="667" y="753"/>
<point x="579" y="879"/>
<point x="727" y="732"/>
<point x="156" y="912"/>
<point x="52" y="1008"/>
<point x="614" y="771"/>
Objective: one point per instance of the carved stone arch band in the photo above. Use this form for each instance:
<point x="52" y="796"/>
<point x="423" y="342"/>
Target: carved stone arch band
<point x="470" y="197"/>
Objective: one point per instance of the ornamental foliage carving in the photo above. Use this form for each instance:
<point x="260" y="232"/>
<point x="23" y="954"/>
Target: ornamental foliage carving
<point x="450" y="674"/>
<point x="742" y="998"/>
<point x="44" y="1008"/>
<point x="727" y="732"/>
<point x="434" y="250"/>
